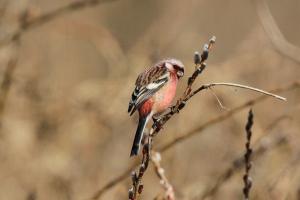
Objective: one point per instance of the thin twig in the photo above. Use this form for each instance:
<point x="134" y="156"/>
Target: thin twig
<point x="160" y="172"/>
<point x="198" y="130"/>
<point x="247" y="157"/>
<point x="218" y="100"/>
<point x="136" y="177"/>
<point x="206" y="86"/>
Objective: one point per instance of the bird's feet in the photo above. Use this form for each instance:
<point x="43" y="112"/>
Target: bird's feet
<point x="157" y="122"/>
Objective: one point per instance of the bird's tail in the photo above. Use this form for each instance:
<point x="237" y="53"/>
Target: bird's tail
<point x="139" y="135"/>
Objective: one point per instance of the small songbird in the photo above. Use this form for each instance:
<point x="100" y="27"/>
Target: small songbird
<point x="155" y="89"/>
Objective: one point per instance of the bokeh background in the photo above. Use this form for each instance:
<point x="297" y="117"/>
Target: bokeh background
<point x="66" y="80"/>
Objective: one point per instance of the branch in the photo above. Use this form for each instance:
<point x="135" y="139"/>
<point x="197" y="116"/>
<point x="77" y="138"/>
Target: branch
<point x="207" y="86"/>
<point x="198" y="130"/>
<point x="160" y="172"/>
<point x="277" y="38"/>
<point x="137" y="186"/>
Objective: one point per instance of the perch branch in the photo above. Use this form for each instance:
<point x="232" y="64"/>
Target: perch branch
<point x="136" y="176"/>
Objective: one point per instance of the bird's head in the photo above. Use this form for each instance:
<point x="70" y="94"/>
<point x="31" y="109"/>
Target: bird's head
<point x="175" y="66"/>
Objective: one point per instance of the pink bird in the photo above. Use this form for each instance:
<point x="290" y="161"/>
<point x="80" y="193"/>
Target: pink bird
<point x="155" y="89"/>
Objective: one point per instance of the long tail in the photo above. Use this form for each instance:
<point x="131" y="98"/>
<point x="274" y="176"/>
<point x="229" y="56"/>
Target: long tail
<point x="139" y="135"/>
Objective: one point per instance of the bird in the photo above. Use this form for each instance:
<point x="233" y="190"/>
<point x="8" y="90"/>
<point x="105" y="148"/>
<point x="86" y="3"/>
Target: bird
<point x="155" y="88"/>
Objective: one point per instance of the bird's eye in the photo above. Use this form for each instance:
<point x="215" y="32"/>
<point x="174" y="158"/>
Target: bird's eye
<point x="180" y="73"/>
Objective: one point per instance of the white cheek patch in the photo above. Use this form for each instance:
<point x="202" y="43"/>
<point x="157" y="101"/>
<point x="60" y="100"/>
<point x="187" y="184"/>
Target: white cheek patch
<point x="169" y="66"/>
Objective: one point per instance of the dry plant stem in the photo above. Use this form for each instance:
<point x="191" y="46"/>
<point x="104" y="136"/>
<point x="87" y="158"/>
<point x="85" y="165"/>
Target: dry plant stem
<point x="277" y="38"/>
<point x="207" y="86"/>
<point x="199" y="65"/>
<point x="247" y="157"/>
<point x="136" y="177"/>
<point x="160" y="172"/>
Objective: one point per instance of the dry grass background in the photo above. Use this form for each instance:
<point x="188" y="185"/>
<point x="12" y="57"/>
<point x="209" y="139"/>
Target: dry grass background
<point x="64" y="128"/>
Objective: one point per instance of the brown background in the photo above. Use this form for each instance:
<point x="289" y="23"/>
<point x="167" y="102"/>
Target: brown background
<point x="64" y="128"/>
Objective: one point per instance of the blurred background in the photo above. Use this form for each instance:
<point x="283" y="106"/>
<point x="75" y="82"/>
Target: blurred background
<point x="67" y="70"/>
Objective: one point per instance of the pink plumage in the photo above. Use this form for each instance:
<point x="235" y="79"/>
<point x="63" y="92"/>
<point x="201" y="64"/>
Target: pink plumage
<point x="155" y="89"/>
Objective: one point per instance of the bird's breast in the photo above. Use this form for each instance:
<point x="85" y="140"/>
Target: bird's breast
<point x="164" y="97"/>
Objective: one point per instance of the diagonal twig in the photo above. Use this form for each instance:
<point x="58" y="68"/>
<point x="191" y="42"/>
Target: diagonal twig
<point x="160" y="172"/>
<point x="206" y="86"/>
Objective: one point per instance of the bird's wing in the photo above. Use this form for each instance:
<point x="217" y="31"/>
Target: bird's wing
<point x="147" y="84"/>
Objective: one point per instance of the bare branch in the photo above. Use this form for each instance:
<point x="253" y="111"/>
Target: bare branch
<point x="160" y="172"/>
<point x="206" y="86"/>
<point x="218" y="100"/>
<point x="136" y="176"/>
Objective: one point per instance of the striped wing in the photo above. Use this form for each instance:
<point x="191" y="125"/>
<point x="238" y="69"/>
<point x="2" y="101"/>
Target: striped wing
<point x="147" y="84"/>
